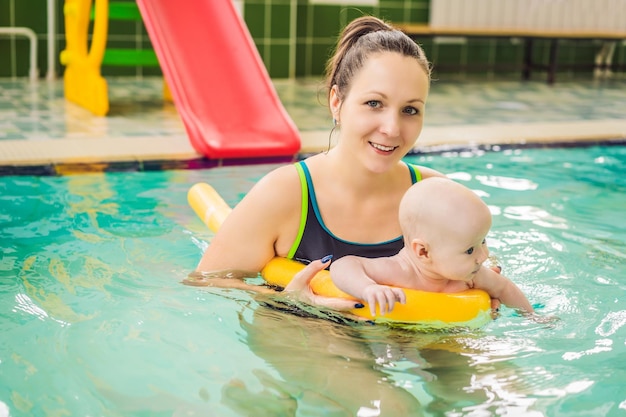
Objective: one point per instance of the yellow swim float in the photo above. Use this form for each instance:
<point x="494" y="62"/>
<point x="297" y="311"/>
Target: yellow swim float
<point x="470" y="308"/>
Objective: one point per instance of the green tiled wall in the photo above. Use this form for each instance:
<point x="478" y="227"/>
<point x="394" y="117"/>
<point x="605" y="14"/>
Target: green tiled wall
<point x="316" y="28"/>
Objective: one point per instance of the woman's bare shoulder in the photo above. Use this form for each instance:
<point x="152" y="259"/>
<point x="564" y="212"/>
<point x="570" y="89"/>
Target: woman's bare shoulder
<point x="277" y="187"/>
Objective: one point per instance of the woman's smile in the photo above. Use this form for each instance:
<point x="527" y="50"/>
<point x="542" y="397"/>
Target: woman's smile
<point x="383" y="148"/>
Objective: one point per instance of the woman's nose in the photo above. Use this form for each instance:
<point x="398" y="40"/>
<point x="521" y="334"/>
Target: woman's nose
<point x="390" y="124"/>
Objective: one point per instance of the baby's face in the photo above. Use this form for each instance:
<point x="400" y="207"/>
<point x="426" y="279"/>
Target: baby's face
<point x="460" y="251"/>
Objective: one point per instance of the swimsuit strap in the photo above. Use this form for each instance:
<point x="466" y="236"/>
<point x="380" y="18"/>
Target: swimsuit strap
<point x="304" y="211"/>
<point x="416" y="175"/>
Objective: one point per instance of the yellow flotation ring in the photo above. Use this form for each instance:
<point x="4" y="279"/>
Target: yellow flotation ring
<point x="470" y="308"/>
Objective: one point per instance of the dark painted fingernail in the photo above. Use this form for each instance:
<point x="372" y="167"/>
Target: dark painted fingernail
<point x="327" y="258"/>
<point x="359" y="305"/>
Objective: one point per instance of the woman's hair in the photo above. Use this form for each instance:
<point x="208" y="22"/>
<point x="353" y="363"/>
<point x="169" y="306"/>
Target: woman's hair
<point x="361" y="38"/>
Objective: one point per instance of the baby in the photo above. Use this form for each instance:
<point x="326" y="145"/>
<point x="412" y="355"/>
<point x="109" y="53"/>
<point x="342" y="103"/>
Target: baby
<point x="444" y="226"/>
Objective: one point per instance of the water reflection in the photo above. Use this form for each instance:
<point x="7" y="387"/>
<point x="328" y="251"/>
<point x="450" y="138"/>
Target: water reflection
<point x="535" y="215"/>
<point x="347" y="370"/>
<point x="507" y="183"/>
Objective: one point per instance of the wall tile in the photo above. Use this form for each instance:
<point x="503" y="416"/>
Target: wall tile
<point x="6" y="51"/>
<point x="326" y="21"/>
<point x="254" y="15"/>
<point x="317" y="28"/>
<point x="279" y="61"/>
<point x="5" y="13"/>
<point x="320" y="52"/>
<point x="281" y="15"/>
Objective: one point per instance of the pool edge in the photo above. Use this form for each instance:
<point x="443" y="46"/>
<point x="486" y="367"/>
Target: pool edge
<point x="82" y="155"/>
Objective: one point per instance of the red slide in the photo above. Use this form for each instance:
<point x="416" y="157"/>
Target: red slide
<point x="220" y="86"/>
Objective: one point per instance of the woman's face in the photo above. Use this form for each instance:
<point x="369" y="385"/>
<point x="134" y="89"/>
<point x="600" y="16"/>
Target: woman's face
<point x="382" y="113"/>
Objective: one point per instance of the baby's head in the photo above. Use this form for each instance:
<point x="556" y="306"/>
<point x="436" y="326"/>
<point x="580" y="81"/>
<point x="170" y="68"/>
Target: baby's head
<point x="443" y="214"/>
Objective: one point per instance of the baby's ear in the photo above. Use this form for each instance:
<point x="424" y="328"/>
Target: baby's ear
<point x="420" y="249"/>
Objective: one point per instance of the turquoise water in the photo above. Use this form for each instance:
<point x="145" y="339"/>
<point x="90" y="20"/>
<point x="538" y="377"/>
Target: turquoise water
<point x="95" y="322"/>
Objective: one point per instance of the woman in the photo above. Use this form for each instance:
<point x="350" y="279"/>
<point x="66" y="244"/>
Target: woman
<point x="378" y="82"/>
<point x="344" y="201"/>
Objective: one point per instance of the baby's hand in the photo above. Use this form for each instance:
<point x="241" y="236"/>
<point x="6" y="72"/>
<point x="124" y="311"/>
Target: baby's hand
<point x="386" y="297"/>
<point x="551" y="321"/>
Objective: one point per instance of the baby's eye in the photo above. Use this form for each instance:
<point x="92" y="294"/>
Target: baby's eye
<point x="412" y="111"/>
<point x="470" y="251"/>
<point x="373" y="103"/>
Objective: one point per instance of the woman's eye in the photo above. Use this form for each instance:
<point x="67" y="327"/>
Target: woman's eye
<point x="470" y="251"/>
<point x="411" y="111"/>
<point x="373" y="103"/>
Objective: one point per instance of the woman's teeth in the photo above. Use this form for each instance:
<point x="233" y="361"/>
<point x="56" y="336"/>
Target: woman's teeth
<point x="382" y="147"/>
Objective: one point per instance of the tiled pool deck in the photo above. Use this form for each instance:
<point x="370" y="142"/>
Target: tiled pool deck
<point x="42" y="133"/>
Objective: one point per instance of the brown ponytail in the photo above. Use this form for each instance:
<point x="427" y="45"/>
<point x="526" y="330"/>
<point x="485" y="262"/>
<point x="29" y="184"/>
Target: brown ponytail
<point x="362" y="37"/>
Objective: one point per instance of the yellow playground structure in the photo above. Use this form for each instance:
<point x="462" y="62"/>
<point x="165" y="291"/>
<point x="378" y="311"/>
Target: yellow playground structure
<point x="83" y="81"/>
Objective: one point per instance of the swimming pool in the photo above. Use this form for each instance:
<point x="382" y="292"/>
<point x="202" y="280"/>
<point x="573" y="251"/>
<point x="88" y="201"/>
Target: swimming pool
<point x="94" y="319"/>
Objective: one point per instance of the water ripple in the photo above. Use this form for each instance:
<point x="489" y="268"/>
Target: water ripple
<point x="611" y="323"/>
<point x="507" y="183"/>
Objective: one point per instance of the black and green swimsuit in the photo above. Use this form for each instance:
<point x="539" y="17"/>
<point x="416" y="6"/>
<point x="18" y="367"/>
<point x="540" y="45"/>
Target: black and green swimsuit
<point x="314" y="240"/>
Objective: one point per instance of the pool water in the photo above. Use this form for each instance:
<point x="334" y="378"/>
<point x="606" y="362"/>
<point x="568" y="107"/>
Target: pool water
<point x="94" y="320"/>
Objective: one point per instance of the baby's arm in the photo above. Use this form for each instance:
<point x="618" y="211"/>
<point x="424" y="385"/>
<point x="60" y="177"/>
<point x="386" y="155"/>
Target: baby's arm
<point x="499" y="286"/>
<point x="362" y="278"/>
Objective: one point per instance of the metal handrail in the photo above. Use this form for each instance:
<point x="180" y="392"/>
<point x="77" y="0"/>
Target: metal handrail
<point x="32" y="37"/>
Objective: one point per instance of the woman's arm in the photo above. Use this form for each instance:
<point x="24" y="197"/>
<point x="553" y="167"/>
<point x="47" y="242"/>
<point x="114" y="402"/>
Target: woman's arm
<point x="299" y="288"/>
<point x="260" y="227"/>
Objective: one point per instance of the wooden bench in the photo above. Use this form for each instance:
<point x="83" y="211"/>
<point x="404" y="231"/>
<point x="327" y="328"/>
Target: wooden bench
<point x="528" y="36"/>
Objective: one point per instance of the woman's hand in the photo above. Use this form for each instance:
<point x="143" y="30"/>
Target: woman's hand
<point x="300" y="290"/>
<point x="225" y="279"/>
